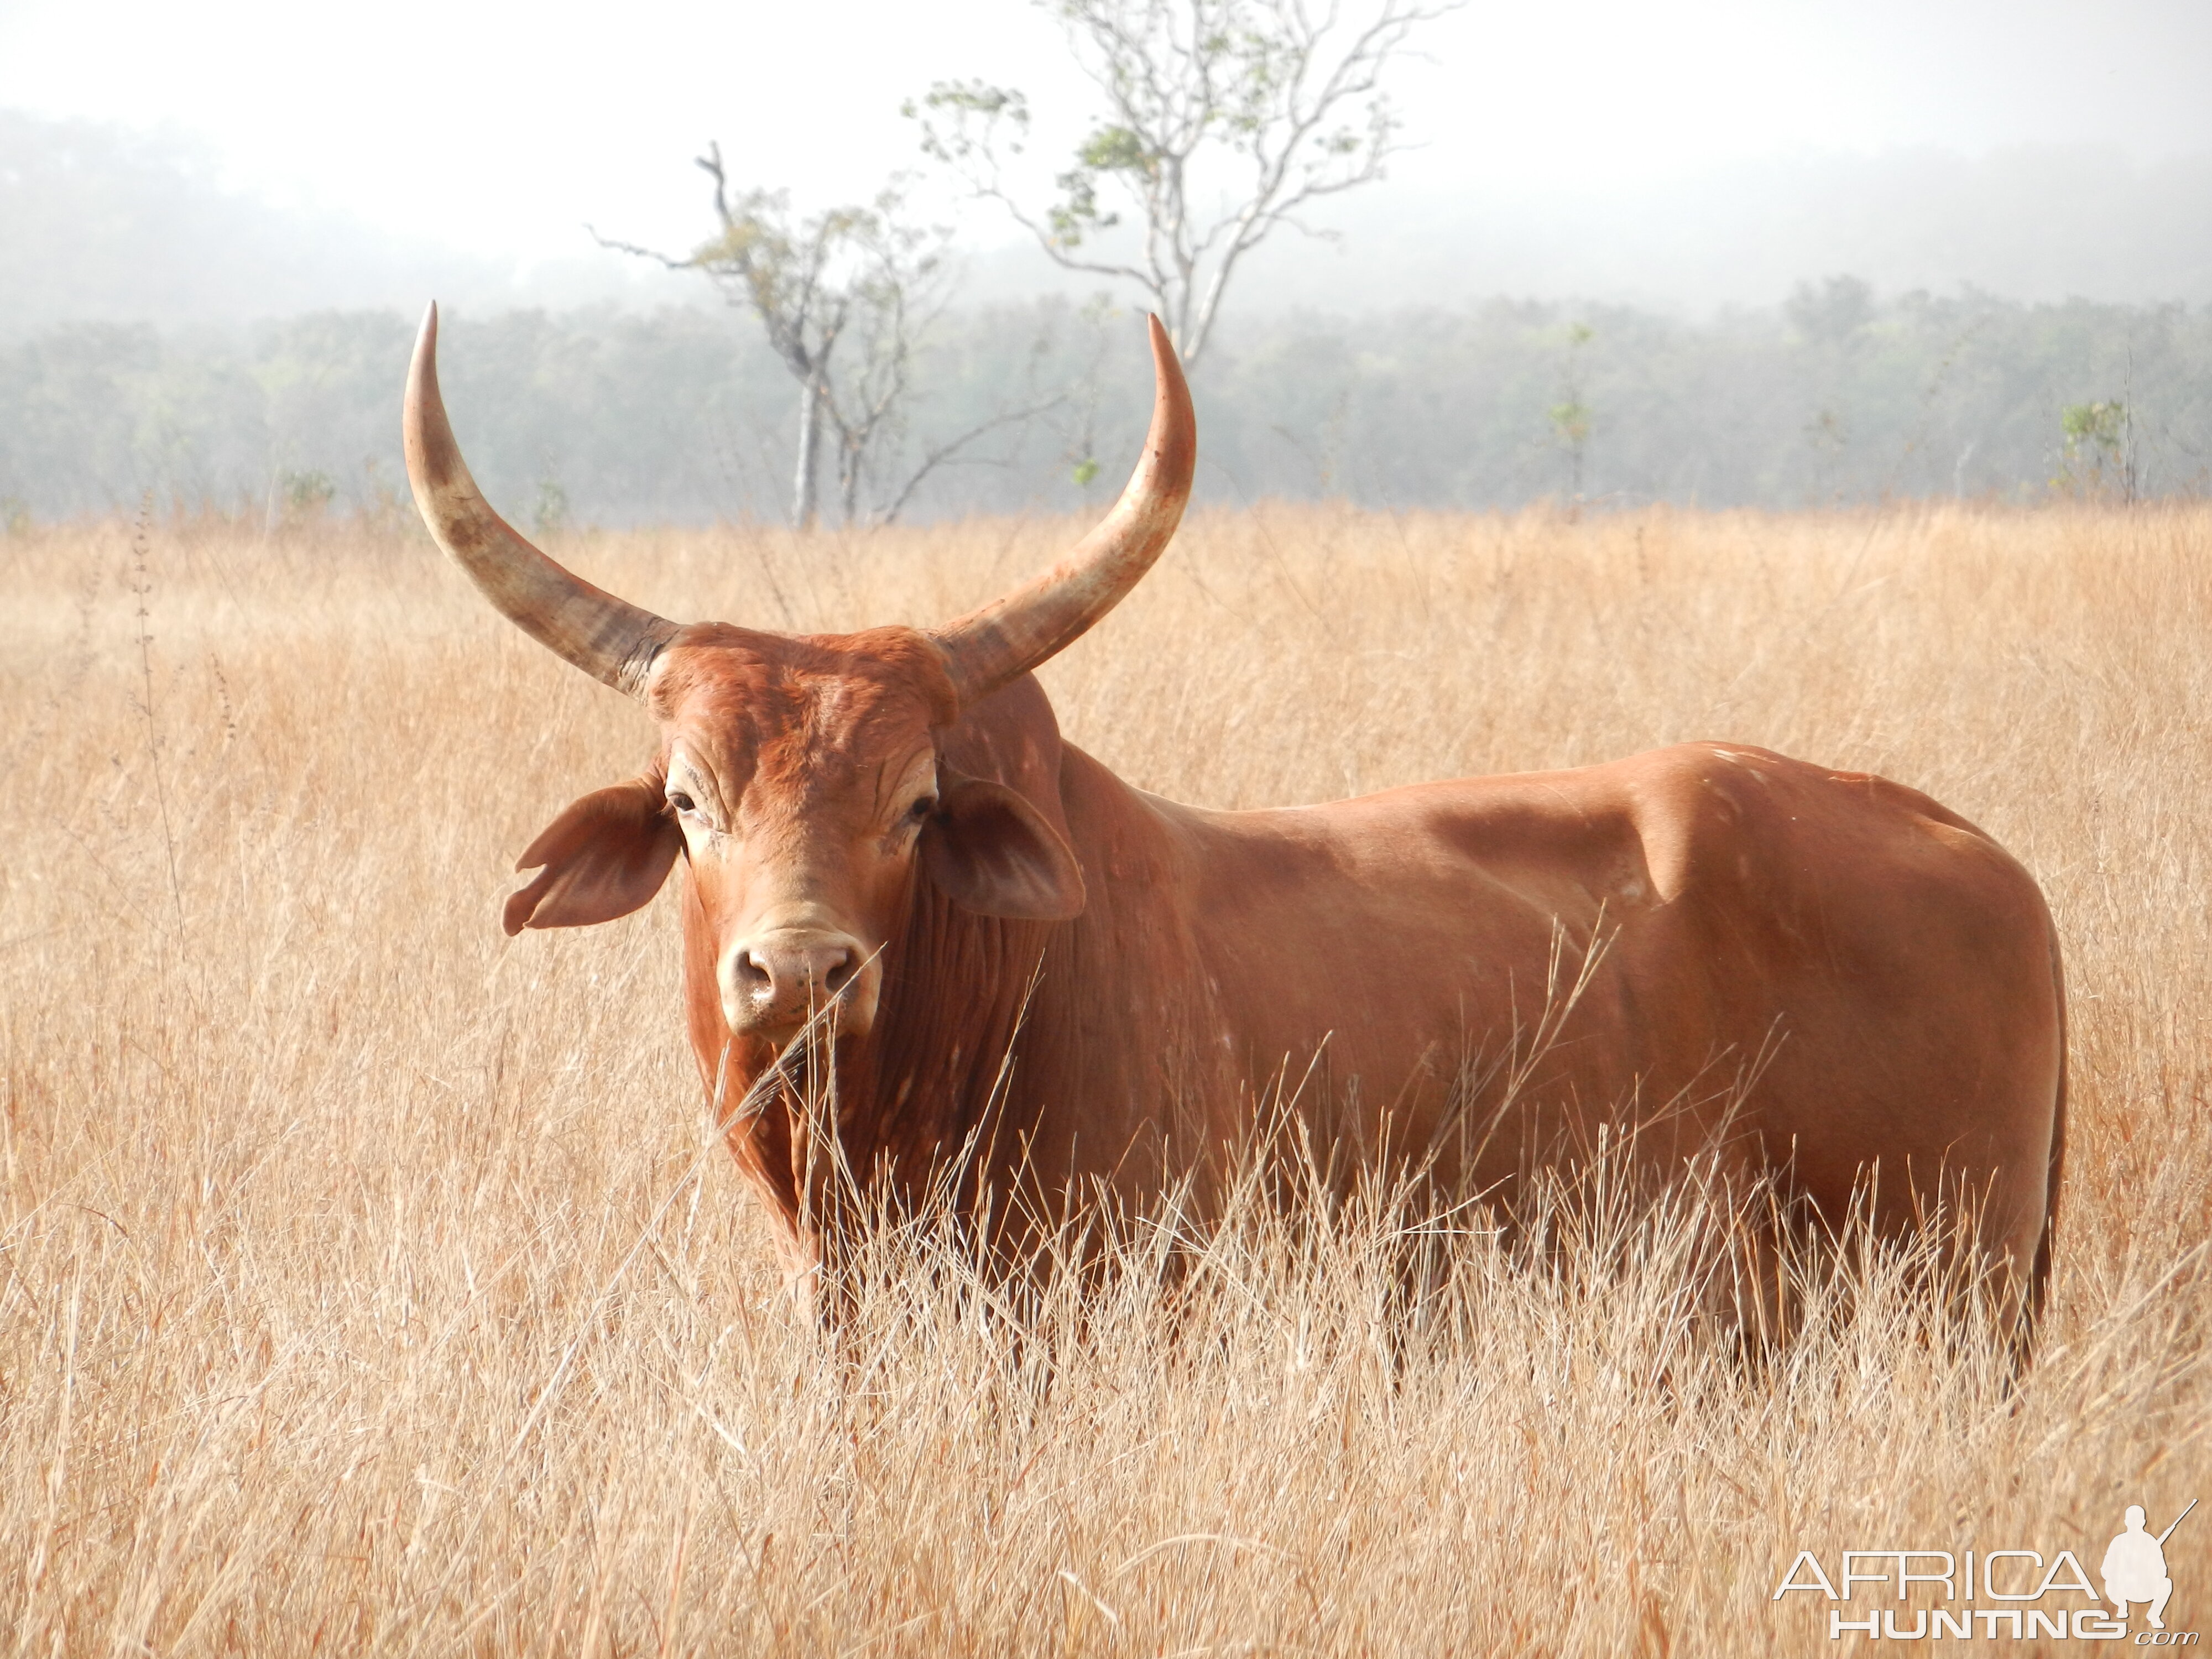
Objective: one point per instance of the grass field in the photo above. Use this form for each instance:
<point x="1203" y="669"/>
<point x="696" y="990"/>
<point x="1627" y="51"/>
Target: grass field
<point x="369" y="1283"/>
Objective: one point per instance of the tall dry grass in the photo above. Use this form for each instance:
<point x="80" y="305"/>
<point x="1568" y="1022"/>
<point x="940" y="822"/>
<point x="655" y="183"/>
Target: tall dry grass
<point x="371" y="1284"/>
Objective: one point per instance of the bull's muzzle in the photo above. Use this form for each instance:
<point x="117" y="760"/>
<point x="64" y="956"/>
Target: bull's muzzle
<point x="773" y="983"/>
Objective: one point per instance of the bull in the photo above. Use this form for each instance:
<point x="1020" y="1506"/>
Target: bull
<point x="1050" y="989"/>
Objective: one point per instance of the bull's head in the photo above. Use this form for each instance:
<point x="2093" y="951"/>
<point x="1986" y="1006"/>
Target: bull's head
<point x="800" y="776"/>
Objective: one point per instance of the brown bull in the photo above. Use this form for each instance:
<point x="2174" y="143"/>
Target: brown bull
<point x="1047" y="983"/>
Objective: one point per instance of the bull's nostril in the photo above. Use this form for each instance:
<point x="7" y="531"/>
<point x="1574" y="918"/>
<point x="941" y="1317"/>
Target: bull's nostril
<point x="783" y="976"/>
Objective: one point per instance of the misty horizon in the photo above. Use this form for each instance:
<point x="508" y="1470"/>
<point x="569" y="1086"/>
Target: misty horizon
<point x="83" y="204"/>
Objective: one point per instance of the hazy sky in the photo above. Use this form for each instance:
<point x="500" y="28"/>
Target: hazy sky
<point x="504" y="127"/>
<point x="501" y="128"/>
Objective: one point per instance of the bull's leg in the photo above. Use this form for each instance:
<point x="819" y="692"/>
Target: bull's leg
<point x="1748" y="1288"/>
<point x="1764" y="1307"/>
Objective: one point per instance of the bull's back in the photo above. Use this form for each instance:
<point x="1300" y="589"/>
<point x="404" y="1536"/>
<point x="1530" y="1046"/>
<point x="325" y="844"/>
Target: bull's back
<point x="1831" y="963"/>
<point x="1906" y="963"/>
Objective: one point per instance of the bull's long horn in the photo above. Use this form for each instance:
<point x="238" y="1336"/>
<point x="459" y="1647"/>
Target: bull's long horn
<point x="608" y="638"/>
<point x="1012" y="635"/>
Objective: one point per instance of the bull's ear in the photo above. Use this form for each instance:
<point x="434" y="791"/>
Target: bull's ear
<point x="991" y="851"/>
<point x="604" y="857"/>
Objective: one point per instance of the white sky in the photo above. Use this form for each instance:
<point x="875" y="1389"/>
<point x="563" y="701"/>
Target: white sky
<point x="500" y="128"/>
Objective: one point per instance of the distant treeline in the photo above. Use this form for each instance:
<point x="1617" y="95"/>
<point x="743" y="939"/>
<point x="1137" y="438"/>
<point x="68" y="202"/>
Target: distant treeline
<point x="603" y="416"/>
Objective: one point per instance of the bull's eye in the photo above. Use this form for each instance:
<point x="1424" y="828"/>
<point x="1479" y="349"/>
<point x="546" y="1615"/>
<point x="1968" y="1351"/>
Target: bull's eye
<point x="923" y="808"/>
<point x="682" y="802"/>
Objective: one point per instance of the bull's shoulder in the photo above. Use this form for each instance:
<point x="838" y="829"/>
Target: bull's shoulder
<point x="1550" y="843"/>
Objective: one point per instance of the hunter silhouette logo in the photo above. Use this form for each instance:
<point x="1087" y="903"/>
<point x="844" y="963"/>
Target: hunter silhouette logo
<point x="1998" y="1594"/>
<point x="2135" y="1567"/>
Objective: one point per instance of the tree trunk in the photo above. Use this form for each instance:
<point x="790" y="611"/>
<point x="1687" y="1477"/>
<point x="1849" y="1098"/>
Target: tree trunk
<point x="803" y="501"/>
<point x="848" y="478"/>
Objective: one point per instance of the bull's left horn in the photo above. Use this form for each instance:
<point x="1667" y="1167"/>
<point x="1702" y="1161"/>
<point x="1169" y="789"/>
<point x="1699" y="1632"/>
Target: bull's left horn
<point x="608" y="638"/>
<point x="1011" y="635"/>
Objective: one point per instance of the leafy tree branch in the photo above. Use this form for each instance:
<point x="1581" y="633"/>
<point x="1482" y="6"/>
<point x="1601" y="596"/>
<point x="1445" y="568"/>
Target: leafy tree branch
<point x="1262" y="106"/>
<point x="844" y="297"/>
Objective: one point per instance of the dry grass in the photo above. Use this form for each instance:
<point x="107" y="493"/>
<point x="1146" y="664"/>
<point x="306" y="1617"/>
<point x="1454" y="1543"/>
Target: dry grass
<point x="370" y="1284"/>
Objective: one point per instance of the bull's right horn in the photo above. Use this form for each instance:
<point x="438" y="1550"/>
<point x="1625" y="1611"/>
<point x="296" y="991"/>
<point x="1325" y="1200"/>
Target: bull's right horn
<point x="610" y="639"/>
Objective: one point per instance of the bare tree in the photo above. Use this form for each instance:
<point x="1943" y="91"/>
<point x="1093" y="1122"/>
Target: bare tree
<point x="844" y="297"/>
<point x="1263" y="105"/>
